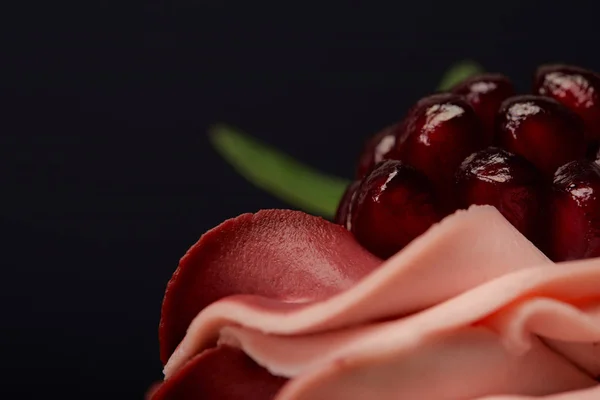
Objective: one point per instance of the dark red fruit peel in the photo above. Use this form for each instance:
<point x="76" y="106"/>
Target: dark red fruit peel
<point x="441" y="130"/>
<point x="152" y="390"/>
<point x="574" y="215"/>
<point x="222" y="373"/>
<point x="485" y="93"/>
<point x="376" y="149"/>
<point x="506" y="181"/>
<point x="394" y="204"/>
<point x="342" y="214"/>
<point x="281" y="254"/>
<point x="576" y="88"/>
<point x="593" y="151"/>
<point x="541" y="130"/>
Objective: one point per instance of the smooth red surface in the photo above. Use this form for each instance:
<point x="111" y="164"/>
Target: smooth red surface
<point x="593" y="151"/>
<point x="343" y="211"/>
<point x="576" y="88"/>
<point x="541" y="130"/>
<point x="222" y="373"/>
<point x="506" y="181"/>
<point x="394" y="205"/>
<point x="441" y="130"/>
<point x="280" y="254"/>
<point x="485" y="93"/>
<point x="377" y="148"/>
<point x="575" y="212"/>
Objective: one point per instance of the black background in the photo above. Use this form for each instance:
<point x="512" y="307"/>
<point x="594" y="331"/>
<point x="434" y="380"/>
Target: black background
<point x="107" y="176"/>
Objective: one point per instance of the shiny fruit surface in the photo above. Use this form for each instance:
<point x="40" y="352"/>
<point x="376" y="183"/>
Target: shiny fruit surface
<point x="541" y="130"/>
<point x="575" y="212"/>
<point x="576" y="88"/>
<point x="395" y="203"/>
<point x="506" y="181"/>
<point x="441" y="130"/>
<point x="485" y="93"/>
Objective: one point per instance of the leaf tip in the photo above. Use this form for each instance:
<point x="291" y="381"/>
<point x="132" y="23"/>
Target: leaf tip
<point x="217" y="131"/>
<point x="224" y="139"/>
<point x="459" y="72"/>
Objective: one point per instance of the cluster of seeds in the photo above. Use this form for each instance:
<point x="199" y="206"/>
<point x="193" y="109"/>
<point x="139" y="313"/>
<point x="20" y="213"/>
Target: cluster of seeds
<point x="534" y="157"/>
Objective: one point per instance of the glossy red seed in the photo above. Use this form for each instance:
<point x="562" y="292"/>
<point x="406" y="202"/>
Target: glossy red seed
<point x="506" y="181"/>
<point x="576" y="88"/>
<point x="593" y="151"/>
<point x="574" y="215"/>
<point x="441" y="130"/>
<point x="541" y="130"/>
<point x="485" y="93"/>
<point x="343" y="211"/>
<point x="376" y="149"/>
<point x="394" y="204"/>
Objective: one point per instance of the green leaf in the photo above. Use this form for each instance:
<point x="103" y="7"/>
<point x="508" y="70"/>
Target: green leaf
<point x="278" y="173"/>
<point x="458" y="73"/>
<point x="297" y="184"/>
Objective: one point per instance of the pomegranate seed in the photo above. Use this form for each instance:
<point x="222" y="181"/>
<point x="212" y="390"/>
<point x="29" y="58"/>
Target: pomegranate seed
<point x="485" y="93"/>
<point x="378" y="148"/>
<point x="395" y="203"/>
<point x="541" y="130"/>
<point x="593" y="151"/>
<point x="343" y="211"/>
<point x="576" y="88"/>
<point x="441" y="130"/>
<point x="575" y="212"/>
<point x="506" y="181"/>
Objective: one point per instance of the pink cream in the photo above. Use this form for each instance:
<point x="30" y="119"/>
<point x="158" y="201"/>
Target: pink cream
<point x="469" y="310"/>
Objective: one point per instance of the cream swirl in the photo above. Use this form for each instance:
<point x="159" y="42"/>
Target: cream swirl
<point x="470" y="309"/>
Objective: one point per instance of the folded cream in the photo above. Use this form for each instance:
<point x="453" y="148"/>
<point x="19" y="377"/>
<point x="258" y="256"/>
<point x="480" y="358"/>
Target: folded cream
<point x="469" y="309"/>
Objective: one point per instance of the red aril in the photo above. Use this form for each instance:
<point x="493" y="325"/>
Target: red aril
<point x="485" y="93"/>
<point x="394" y="204"/>
<point x="541" y="130"/>
<point x="376" y="149"/>
<point x="343" y="211"/>
<point x="593" y="151"/>
<point x="574" y="212"/>
<point x="441" y="130"/>
<point x="506" y="181"/>
<point x="576" y="88"/>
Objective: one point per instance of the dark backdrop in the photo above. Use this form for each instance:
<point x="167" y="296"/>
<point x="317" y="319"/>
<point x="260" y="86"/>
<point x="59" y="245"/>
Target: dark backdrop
<point x="107" y="176"/>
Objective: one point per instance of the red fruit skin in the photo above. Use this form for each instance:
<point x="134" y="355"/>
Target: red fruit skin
<point x="342" y="214"/>
<point x="441" y="130"/>
<point x="395" y="203"/>
<point x="485" y="93"/>
<point x="593" y="151"/>
<point x="378" y="148"/>
<point x="541" y="130"/>
<point x="506" y="181"/>
<point x="576" y="88"/>
<point x="574" y="212"/>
